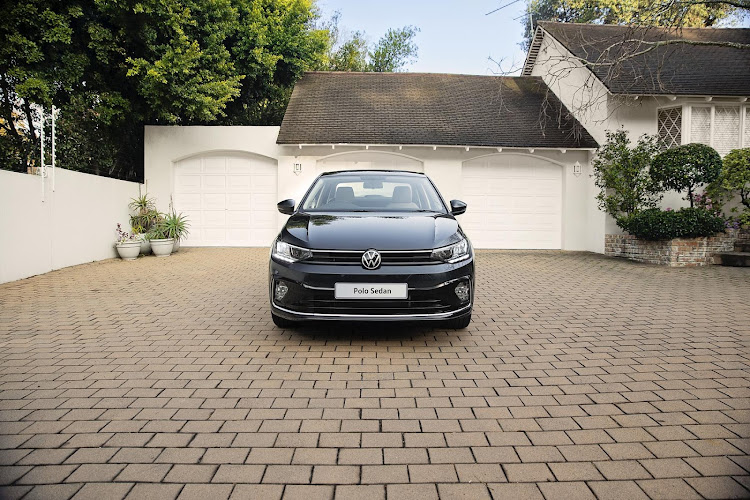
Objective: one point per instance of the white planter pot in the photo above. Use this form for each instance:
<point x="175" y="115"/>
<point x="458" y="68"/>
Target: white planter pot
<point x="128" y="250"/>
<point x="145" y="246"/>
<point x="176" y="246"/>
<point x="162" y="248"/>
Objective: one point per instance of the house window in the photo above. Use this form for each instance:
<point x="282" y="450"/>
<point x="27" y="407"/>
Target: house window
<point x="670" y="127"/>
<point x="717" y="126"/>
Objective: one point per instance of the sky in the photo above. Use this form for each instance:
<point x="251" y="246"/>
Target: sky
<point x="455" y="36"/>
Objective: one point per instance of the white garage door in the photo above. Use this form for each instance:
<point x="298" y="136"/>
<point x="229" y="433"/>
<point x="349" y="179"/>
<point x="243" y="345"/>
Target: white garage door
<point x="514" y="202"/>
<point x="229" y="198"/>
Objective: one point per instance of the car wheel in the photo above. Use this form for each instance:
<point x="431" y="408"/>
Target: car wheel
<point x="281" y="322"/>
<point x="459" y="323"/>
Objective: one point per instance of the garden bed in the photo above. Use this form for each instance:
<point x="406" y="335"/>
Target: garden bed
<point x="678" y="252"/>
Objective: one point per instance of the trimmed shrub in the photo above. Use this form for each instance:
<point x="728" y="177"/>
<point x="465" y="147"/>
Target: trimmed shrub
<point x="655" y="224"/>
<point x="683" y="168"/>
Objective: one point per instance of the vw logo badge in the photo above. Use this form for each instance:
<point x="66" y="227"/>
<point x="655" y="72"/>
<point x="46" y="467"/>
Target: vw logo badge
<point x="371" y="259"/>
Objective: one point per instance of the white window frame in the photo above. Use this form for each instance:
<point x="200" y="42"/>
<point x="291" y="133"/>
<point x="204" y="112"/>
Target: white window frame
<point x="687" y="119"/>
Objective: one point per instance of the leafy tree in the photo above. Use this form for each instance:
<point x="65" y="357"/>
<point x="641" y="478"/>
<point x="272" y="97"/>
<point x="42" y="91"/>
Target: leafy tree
<point x="621" y="172"/>
<point x="734" y="178"/>
<point x="675" y="13"/>
<point x="395" y="50"/>
<point x="683" y="168"/>
<point x="352" y="52"/>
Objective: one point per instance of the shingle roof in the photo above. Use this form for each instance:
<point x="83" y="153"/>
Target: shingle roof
<point x="678" y="69"/>
<point x="428" y="109"/>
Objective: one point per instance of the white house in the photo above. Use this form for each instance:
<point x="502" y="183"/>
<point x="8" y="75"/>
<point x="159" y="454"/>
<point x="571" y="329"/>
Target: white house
<point x="640" y="80"/>
<point x="517" y="150"/>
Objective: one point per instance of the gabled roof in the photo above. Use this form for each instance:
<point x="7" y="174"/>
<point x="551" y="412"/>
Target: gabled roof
<point x="682" y="68"/>
<point x="428" y="109"/>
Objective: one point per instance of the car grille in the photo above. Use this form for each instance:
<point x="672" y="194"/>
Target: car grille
<point x="419" y="302"/>
<point x="389" y="257"/>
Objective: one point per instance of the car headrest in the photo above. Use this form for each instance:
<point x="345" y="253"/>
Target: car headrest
<point x="344" y="193"/>
<point x="401" y="194"/>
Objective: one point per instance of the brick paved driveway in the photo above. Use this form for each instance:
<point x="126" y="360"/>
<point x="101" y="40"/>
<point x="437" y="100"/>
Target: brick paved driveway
<point x="580" y="377"/>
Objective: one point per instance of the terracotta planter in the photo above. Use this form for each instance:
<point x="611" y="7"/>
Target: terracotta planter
<point x="162" y="247"/>
<point x="128" y="250"/>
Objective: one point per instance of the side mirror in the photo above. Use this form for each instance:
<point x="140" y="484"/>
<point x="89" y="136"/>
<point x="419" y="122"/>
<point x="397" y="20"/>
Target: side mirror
<point x="286" y="207"/>
<point x="458" y="207"/>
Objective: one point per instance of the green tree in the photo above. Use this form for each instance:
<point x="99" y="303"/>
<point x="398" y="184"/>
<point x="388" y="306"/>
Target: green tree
<point x="621" y="173"/>
<point x="394" y="50"/>
<point x="351" y="51"/>
<point x="674" y="13"/>
<point x="734" y="178"/>
<point x="685" y="167"/>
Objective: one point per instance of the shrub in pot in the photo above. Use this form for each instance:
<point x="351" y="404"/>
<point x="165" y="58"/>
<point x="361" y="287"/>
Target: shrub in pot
<point x="143" y="219"/>
<point x="176" y="227"/>
<point x="161" y="242"/>
<point x="128" y="246"/>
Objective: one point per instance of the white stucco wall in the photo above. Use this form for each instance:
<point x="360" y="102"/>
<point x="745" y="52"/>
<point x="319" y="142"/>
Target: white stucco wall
<point x="74" y="224"/>
<point x="583" y="224"/>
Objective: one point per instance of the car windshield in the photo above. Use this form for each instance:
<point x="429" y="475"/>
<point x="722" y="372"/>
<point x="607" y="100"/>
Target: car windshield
<point x="368" y="192"/>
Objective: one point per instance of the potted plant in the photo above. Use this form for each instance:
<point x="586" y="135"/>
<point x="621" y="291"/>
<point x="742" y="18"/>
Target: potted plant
<point x="128" y="246"/>
<point x="176" y="226"/>
<point x="161" y="241"/>
<point x="143" y="219"/>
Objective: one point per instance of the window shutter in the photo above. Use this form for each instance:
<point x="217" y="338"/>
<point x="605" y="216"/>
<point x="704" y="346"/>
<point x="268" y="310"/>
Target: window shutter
<point x="746" y="142"/>
<point x="727" y="131"/>
<point x="700" y="125"/>
<point x="670" y="127"/>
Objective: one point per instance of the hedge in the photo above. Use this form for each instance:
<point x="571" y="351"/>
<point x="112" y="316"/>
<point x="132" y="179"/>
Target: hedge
<point x="655" y="224"/>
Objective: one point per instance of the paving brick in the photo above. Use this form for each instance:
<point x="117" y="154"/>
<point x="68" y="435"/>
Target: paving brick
<point x="668" y="489"/>
<point x="257" y="491"/>
<point x="52" y="492"/>
<point x="154" y="492"/>
<point x="520" y="491"/>
<point x="718" y="487"/>
<point x="191" y="473"/>
<point x="463" y="492"/>
<point x="288" y="474"/>
<point x="239" y="474"/>
<point x="411" y="491"/>
<point x="299" y="492"/>
<point x="95" y="473"/>
<point x="205" y="491"/>
<point x="566" y="491"/>
<point x="146" y="473"/>
<point x="519" y="473"/>
<point x="335" y="474"/>
<point x="98" y="491"/>
<point x="614" y="490"/>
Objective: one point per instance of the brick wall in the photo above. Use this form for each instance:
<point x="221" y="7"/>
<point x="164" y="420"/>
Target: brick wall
<point x="680" y="252"/>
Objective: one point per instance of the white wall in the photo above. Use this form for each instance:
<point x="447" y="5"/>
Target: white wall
<point x="74" y="225"/>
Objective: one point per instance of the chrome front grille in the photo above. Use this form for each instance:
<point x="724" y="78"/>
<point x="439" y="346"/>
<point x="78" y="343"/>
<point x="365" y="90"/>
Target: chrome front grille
<point x="389" y="257"/>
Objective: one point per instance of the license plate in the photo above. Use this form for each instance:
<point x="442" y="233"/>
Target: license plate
<point x="371" y="291"/>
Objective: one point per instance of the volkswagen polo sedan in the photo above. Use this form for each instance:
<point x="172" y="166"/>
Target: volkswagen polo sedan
<point x="372" y="246"/>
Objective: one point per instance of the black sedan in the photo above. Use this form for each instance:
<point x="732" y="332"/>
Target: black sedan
<point x="372" y="246"/>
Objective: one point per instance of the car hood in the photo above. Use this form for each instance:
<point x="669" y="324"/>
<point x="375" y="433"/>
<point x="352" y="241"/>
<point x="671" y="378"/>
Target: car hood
<point x="382" y="231"/>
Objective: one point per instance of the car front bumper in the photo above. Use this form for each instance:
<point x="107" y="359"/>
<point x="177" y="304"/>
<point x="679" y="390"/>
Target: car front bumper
<point x="311" y="296"/>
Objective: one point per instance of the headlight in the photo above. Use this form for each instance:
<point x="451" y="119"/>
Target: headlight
<point x="289" y="253"/>
<point x="452" y="253"/>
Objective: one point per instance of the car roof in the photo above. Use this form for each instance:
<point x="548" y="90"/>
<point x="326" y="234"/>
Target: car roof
<point x="371" y="172"/>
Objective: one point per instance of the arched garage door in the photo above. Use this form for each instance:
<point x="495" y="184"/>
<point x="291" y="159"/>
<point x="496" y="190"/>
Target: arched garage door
<point x="230" y="199"/>
<point x="514" y="201"/>
<point x="366" y="160"/>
